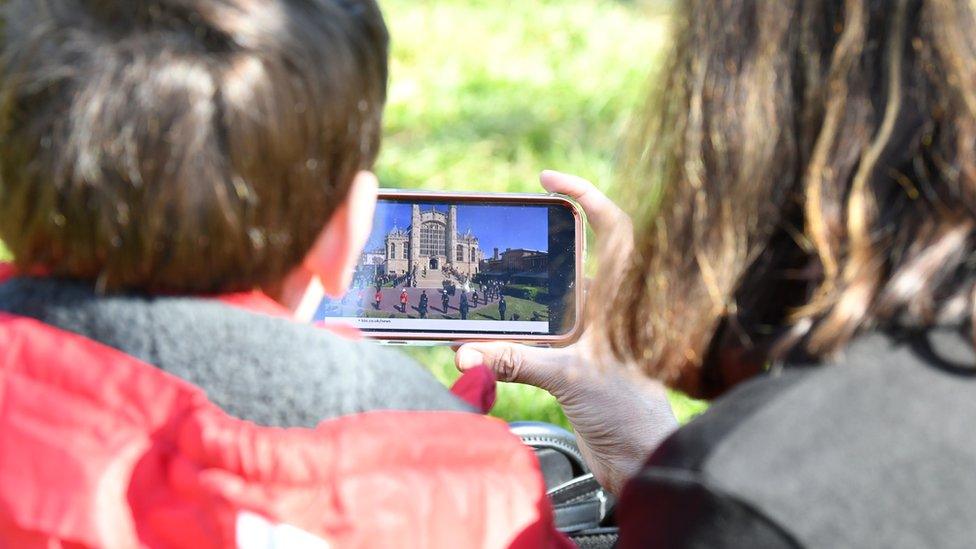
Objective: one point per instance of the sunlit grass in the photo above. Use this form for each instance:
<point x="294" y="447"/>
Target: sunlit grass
<point x="484" y="95"/>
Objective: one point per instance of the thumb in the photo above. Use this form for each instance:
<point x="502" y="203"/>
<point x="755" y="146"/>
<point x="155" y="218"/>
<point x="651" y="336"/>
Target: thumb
<point x="512" y="362"/>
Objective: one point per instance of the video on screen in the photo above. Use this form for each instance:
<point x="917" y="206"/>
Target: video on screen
<point x="451" y="267"/>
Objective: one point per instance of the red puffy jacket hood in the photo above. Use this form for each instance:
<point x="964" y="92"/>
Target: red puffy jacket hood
<point x="99" y="449"/>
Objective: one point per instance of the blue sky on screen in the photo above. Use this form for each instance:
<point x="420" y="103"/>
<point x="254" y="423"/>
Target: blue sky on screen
<point x="495" y="226"/>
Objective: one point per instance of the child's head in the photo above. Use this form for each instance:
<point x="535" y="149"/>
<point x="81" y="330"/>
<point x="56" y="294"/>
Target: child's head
<point x="187" y="145"/>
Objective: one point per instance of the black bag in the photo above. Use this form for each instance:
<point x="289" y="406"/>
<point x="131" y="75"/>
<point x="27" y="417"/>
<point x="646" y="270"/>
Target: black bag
<point x="583" y="510"/>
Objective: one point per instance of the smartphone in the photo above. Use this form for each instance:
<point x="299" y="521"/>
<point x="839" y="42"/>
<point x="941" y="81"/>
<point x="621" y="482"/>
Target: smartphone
<point x="454" y="267"/>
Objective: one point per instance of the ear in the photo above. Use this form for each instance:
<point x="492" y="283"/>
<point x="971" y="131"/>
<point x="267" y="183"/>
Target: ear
<point x="333" y="257"/>
<point x="335" y="254"/>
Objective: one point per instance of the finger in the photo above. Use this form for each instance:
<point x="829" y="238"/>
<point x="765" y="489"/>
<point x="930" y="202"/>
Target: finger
<point x="601" y="212"/>
<point x="512" y="362"/>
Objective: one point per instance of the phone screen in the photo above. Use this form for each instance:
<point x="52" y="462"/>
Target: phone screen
<point x="463" y="267"/>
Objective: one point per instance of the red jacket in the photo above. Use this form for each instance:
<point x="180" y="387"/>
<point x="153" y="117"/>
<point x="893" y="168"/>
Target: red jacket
<point x="100" y="449"/>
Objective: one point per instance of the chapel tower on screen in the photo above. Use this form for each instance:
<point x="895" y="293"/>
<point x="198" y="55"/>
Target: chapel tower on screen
<point x="432" y="243"/>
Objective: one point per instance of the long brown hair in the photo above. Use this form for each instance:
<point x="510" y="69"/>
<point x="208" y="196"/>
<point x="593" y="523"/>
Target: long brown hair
<point x="805" y="171"/>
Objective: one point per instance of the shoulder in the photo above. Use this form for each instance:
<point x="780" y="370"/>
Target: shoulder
<point x="294" y="374"/>
<point x="674" y="502"/>
<point x="845" y="454"/>
<point x="268" y="370"/>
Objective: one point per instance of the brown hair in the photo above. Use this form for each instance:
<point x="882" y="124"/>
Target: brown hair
<point x="808" y="172"/>
<point x="183" y="145"/>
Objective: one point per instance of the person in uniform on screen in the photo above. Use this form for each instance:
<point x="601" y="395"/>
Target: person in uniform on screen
<point x="403" y="300"/>
<point x="502" y="307"/>
<point x="377" y="298"/>
<point x="422" y="307"/>
<point x="445" y="300"/>
<point x="463" y="306"/>
<point x="474" y="297"/>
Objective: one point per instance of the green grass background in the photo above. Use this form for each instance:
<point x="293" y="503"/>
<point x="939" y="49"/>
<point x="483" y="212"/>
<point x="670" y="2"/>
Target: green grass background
<point x="486" y="93"/>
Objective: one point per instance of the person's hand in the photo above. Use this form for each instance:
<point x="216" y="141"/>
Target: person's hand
<point x="619" y="415"/>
